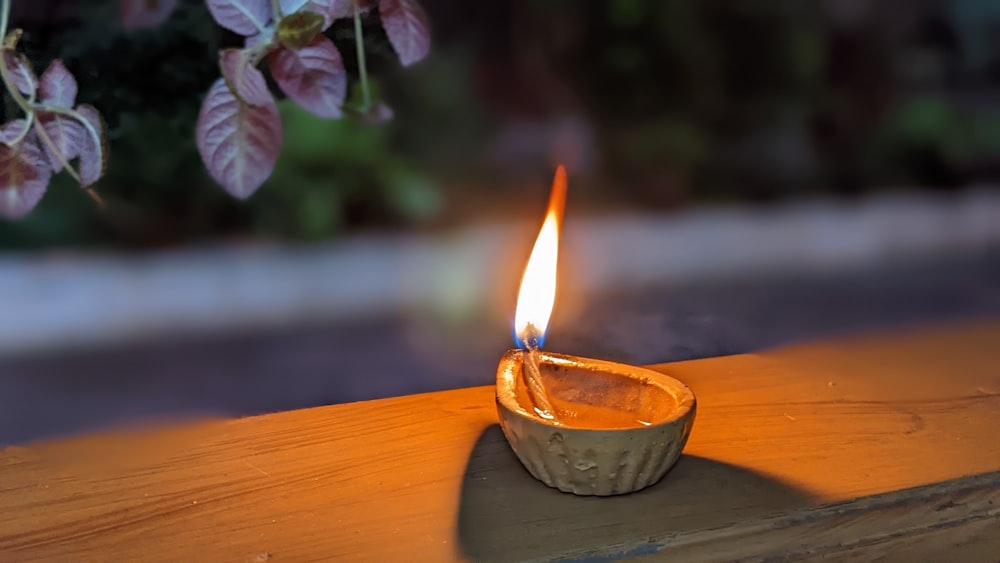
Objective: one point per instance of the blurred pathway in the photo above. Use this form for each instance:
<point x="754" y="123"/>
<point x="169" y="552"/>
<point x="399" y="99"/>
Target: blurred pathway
<point x="53" y="394"/>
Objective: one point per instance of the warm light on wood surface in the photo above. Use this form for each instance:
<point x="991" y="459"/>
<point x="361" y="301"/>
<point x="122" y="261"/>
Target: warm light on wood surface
<point x="789" y="448"/>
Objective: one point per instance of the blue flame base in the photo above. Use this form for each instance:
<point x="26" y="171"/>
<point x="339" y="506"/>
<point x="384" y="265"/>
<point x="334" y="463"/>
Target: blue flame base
<point x="533" y="338"/>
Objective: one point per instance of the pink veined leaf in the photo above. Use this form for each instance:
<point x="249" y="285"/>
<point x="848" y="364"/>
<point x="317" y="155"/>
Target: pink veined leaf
<point x="238" y="143"/>
<point x="144" y="14"/>
<point x="345" y="8"/>
<point x="57" y="86"/>
<point x="243" y="78"/>
<point x="331" y="9"/>
<point x="73" y="139"/>
<point x="292" y="6"/>
<point x="406" y="25"/>
<point x="245" y="17"/>
<point x="20" y="70"/>
<point x="12" y="130"/>
<point x="92" y="147"/>
<point x="313" y="76"/>
<point x="66" y="134"/>
<point x="24" y="173"/>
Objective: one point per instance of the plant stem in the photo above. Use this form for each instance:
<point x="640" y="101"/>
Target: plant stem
<point x="62" y="160"/>
<point x="25" y="105"/>
<point x="4" y="15"/>
<point x="359" y="41"/>
<point x="276" y="6"/>
<point x="55" y="149"/>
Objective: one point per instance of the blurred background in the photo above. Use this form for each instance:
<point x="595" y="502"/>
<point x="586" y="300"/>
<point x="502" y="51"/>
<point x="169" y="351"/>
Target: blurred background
<point x="744" y="174"/>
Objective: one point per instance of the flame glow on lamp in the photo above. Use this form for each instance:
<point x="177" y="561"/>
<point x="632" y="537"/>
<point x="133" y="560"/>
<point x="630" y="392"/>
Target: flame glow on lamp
<point x="537" y="294"/>
<point x="582" y="425"/>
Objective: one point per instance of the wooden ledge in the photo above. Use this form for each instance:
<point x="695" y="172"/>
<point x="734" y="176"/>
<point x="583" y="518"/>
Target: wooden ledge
<point x="876" y="446"/>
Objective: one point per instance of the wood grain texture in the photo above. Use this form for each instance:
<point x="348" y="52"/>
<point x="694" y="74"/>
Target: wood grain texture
<point x="873" y="447"/>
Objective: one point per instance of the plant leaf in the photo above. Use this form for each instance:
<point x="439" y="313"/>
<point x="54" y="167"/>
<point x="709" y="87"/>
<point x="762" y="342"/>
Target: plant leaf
<point x="330" y="9"/>
<point x="338" y="9"/>
<point x="289" y="7"/>
<point x="144" y="14"/>
<point x="406" y="25"/>
<point x="238" y="143"/>
<point x="12" y="131"/>
<point x="297" y="30"/>
<point x="57" y="86"/>
<point x="21" y="73"/>
<point x="245" y="17"/>
<point x="80" y="136"/>
<point x="313" y="76"/>
<point x="24" y="173"/>
<point x="243" y="78"/>
<point x="93" y="147"/>
<point x="67" y="135"/>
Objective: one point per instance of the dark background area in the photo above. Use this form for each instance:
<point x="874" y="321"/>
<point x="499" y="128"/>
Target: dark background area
<point x="653" y="104"/>
<point x="658" y="107"/>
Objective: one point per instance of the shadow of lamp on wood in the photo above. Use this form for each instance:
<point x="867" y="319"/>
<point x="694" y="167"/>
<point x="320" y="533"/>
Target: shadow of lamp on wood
<point x="583" y="426"/>
<point x="503" y="516"/>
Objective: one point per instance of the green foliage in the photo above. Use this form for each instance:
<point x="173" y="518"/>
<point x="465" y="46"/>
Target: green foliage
<point x="933" y="125"/>
<point x="329" y="167"/>
<point x="441" y="120"/>
<point x="985" y="131"/>
<point x="923" y="120"/>
<point x="677" y="141"/>
<point x="626" y="13"/>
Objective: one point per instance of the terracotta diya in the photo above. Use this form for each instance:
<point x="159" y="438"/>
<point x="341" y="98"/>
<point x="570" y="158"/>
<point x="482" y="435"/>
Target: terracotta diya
<point x="581" y="425"/>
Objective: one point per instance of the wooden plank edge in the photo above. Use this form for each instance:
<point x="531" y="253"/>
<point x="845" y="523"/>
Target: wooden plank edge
<point x="958" y="520"/>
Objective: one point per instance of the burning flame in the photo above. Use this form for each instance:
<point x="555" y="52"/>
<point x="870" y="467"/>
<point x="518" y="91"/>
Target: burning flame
<point x="538" y="286"/>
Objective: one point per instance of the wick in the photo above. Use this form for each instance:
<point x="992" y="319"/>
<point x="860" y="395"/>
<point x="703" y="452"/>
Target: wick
<point x="533" y="379"/>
